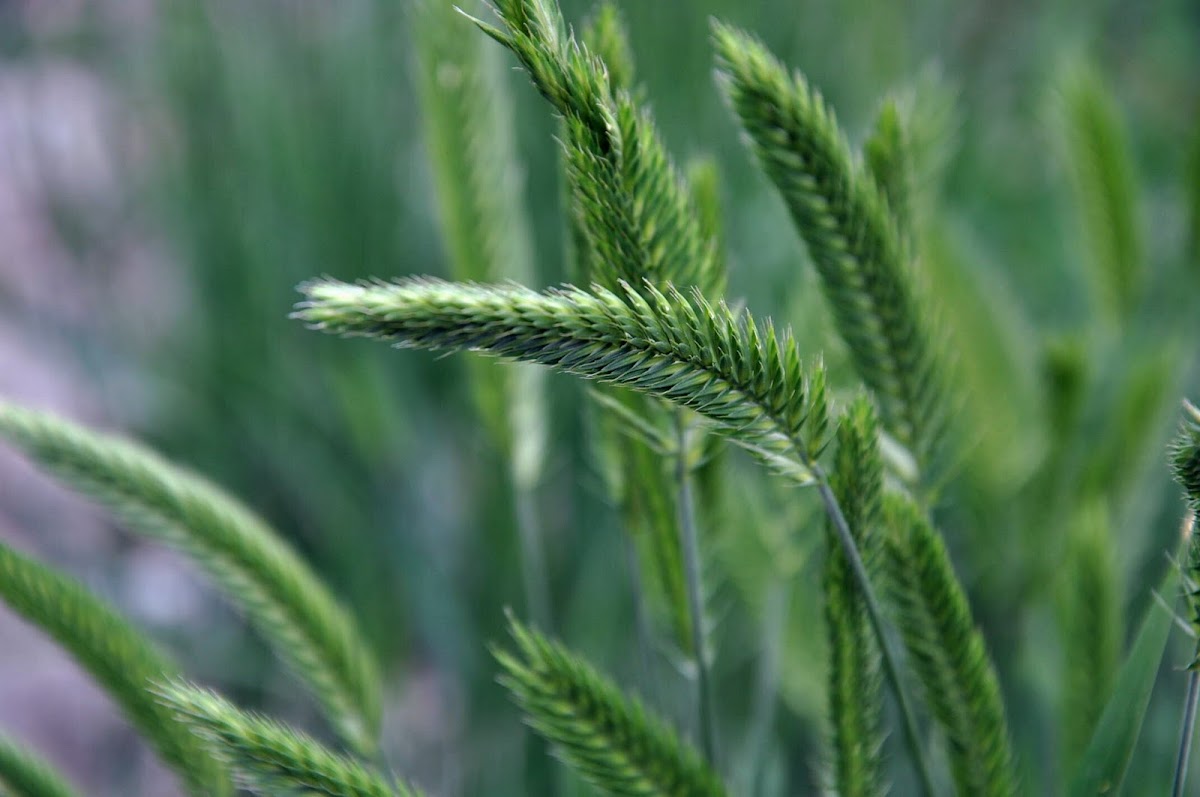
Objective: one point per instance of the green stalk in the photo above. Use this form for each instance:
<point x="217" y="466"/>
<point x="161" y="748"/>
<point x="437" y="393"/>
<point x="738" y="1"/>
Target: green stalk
<point x="912" y="734"/>
<point x="690" y="543"/>
<point x="641" y="620"/>
<point x="533" y="560"/>
<point x="1185" y="736"/>
<point x="762" y="715"/>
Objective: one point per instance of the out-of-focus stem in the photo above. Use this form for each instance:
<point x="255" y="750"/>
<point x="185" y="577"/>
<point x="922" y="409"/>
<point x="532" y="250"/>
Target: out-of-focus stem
<point x="641" y="620"/>
<point x="533" y="560"/>
<point x="762" y="715"/>
<point x="690" y="543"/>
<point x="1185" y="735"/>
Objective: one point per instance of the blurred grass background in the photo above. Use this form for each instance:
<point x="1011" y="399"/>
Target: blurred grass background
<point x="170" y="170"/>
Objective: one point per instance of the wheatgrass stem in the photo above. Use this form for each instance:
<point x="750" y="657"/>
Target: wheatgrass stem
<point x="762" y="715"/>
<point x="691" y="567"/>
<point x="890" y="666"/>
<point x="1185" y="735"/>
<point x="645" y="638"/>
<point x="533" y="560"/>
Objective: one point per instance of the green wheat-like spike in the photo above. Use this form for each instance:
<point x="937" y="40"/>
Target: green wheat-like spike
<point x="267" y="757"/>
<point x="117" y="656"/>
<point x="1185" y="454"/>
<point x="22" y="774"/>
<point x="607" y="737"/>
<point x="605" y="34"/>
<point x="1100" y="163"/>
<point x="947" y="652"/>
<point x="1185" y="464"/>
<point x="627" y="193"/>
<point x="1091" y="625"/>
<point x="889" y="157"/>
<point x="683" y="350"/>
<point x="843" y="218"/>
<point x="1192" y="189"/>
<point x="648" y="512"/>
<point x="278" y="592"/>
<point x="855" y="680"/>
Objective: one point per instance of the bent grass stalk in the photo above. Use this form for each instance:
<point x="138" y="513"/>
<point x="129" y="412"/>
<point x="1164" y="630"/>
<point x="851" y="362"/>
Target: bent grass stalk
<point x="24" y="775"/>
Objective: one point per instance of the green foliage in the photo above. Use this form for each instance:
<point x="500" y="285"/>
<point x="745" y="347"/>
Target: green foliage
<point x="116" y="655"/>
<point x="1102" y="174"/>
<point x="1026" y="503"/>
<point x="1193" y="206"/>
<point x="747" y="380"/>
<point x="947" y="652"/>
<point x="643" y="495"/>
<point x="279" y="594"/>
<point x="24" y="775"/>
<point x="605" y="34"/>
<point x="611" y="740"/>
<point x="267" y="757"/>
<point x="1092" y="628"/>
<point x="843" y="217"/>
<point x="469" y="134"/>
<point x="633" y="431"/>
<point x="855" y="682"/>
<point x="1106" y="759"/>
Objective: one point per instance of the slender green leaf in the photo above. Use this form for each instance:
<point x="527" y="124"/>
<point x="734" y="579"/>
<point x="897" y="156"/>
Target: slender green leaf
<point x="1102" y="768"/>
<point x="22" y="774"/>
<point x="1092" y="627"/>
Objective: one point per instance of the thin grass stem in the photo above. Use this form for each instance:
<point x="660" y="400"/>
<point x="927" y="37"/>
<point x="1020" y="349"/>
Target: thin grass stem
<point x="691" y="563"/>
<point x="533" y="559"/>
<point x="1185" y="735"/>
<point x="762" y="716"/>
<point x="649" y="680"/>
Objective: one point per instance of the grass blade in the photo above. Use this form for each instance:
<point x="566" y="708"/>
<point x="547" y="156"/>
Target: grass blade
<point x="1104" y="762"/>
<point x="24" y="775"/>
